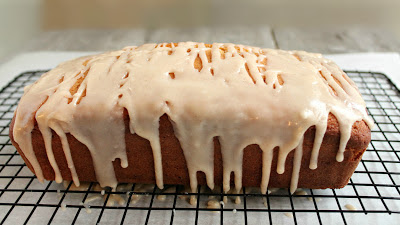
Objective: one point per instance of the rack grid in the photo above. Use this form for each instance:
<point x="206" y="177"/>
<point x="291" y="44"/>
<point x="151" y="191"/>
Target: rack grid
<point x="373" y="189"/>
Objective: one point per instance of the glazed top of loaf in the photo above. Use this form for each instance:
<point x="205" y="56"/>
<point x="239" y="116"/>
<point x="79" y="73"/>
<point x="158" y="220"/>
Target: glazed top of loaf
<point x="244" y="95"/>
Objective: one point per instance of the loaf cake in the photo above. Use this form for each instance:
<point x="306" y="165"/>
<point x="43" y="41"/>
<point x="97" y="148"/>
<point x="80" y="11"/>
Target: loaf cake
<point x="194" y="113"/>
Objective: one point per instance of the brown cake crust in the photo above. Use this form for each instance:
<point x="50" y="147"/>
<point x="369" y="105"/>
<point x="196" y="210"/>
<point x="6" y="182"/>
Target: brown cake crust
<point x="329" y="173"/>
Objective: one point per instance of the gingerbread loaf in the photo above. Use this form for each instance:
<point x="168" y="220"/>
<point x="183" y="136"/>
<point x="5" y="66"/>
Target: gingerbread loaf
<point x="193" y="113"/>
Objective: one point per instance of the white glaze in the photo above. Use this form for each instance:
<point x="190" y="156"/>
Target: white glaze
<point x="63" y="206"/>
<point x="222" y="99"/>
<point x="288" y="214"/>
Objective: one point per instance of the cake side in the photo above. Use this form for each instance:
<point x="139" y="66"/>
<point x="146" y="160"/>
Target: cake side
<point x="329" y="173"/>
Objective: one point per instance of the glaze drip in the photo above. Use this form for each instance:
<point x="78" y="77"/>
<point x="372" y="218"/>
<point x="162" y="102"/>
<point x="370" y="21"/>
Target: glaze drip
<point x="242" y="95"/>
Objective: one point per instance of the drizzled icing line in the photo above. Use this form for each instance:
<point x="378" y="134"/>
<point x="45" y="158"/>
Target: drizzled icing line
<point x="243" y="95"/>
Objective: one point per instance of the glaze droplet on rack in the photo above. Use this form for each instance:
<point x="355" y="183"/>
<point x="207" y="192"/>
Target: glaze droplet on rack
<point x="242" y="95"/>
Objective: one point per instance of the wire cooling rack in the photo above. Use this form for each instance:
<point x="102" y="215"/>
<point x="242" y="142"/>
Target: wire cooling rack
<point x="373" y="189"/>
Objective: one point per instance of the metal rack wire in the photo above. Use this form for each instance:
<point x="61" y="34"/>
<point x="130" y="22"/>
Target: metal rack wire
<point x="373" y="189"/>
